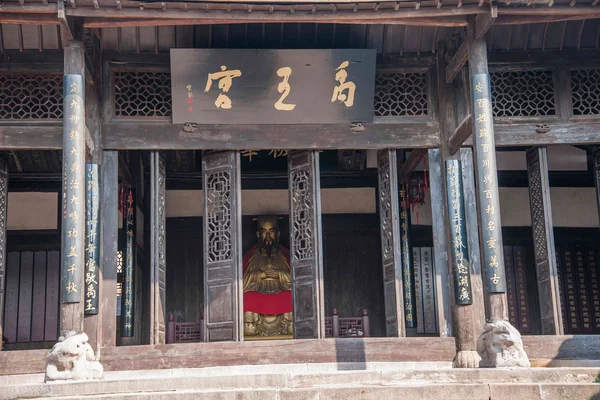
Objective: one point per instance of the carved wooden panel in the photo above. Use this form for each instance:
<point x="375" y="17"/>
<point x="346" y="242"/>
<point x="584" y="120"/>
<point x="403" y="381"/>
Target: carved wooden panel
<point x="306" y="253"/>
<point x="222" y="255"/>
<point x="543" y="241"/>
<point x="389" y="213"/>
<point x="400" y="94"/>
<point x="523" y="93"/>
<point x="157" y="183"/>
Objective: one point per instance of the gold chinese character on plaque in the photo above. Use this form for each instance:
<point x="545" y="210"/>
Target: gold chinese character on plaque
<point x="225" y="79"/>
<point x="284" y="88"/>
<point x="349" y="87"/>
<point x="249" y="154"/>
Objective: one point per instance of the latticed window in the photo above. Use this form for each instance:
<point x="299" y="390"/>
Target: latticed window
<point x="585" y="91"/>
<point x="523" y="93"/>
<point x="31" y="96"/>
<point x="400" y="94"/>
<point x="142" y="94"/>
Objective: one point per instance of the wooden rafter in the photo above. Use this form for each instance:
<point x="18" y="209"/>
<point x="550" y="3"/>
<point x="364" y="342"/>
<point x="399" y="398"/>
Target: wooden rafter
<point x="457" y="62"/>
<point x="408" y="167"/>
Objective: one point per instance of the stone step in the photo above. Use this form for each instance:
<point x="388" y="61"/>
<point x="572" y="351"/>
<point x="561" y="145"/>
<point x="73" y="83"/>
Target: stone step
<point x="546" y="391"/>
<point x="314" y="381"/>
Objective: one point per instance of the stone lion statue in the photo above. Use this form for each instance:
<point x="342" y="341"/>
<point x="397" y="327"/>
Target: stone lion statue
<point x="500" y="345"/>
<point x="72" y="358"/>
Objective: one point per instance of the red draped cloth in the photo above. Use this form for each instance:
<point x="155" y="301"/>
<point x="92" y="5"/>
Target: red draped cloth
<point x="263" y="303"/>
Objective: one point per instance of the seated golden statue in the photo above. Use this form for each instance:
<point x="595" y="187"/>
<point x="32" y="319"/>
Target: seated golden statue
<point x="267" y="284"/>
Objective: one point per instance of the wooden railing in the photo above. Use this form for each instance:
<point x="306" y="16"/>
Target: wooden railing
<point x="192" y="332"/>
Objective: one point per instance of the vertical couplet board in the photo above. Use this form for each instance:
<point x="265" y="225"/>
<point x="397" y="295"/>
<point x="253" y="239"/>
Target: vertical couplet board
<point x="73" y="203"/>
<point x="407" y="267"/>
<point x="596" y="158"/>
<point x="128" y="288"/>
<point x="389" y="212"/>
<point x="92" y="237"/>
<point x="157" y="229"/>
<point x="3" y="204"/>
<point x="461" y="264"/>
<point x="487" y="185"/>
<point x="222" y="245"/>
<point x="306" y="252"/>
<point x="543" y="241"/>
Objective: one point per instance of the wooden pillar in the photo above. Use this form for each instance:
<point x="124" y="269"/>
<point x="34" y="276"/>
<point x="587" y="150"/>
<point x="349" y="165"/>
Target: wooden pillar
<point x="92" y="323"/>
<point x="440" y="244"/>
<point x="158" y="250"/>
<point x="467" y="319"/>
<point x="3" y="216"/>
<point x="306" y="241"/>
<point x="222" y="246"/>
<point x="110" y="233"/>
<point x="389" y="214"/>
<point x="596" y="161"/>
<point x="73" y="198"/>
<point x="543" y="241"/>
<point x="487" y="180"/>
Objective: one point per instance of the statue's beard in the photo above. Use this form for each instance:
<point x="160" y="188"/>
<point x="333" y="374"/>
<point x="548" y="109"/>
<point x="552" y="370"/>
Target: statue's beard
<point x="269" y="245"/>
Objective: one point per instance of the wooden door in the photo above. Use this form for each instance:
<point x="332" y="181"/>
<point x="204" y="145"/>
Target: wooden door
<point x="158" y="249"/>
<point x="390" y="242"/>
<point x="222" y="245"/>
<point x="306" y="254"/>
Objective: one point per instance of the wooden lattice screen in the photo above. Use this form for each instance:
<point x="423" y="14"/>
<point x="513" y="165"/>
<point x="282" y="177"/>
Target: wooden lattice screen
<point x="401" y="94"/>
<point x="585" y="91"/>
<point x="523" y="93"/>
<point x="31" y="96"/>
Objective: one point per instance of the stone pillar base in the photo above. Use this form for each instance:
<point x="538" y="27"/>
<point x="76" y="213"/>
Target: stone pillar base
<point x="500" y="346"/>
<point x="466" y="359"/>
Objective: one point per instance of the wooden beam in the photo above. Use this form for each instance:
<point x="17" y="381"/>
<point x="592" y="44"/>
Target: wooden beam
<point x="415" y="157"/>
<point x="484" y="22"/>
<point x="458" y="62"/>
<point x="27" y="19"/>
<point x="154" y="136"/>
<point x="30" y="137"/>
<point x="64" y="21"/>
<point x="461" y="133"/>
<point x="95" y="22"/>
<point x="538" y="19"/>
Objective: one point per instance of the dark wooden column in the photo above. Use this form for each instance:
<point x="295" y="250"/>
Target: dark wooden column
<point x="389" y="214"/>
<point x="440" y="243"/>
<point x="110" y="233"/>
<point x="222" y="246"/>
<point x="92" y="324"/>
<point x="487" y="180"/>
<point x="73" y="198"/>
<point x="543" y="241"/>
<point x="306" y="253"/>
<point x="158" y="251"/>
<point x="596" y="158"/>
<point x="467" y="318"/>
<point x="3" y="215"/>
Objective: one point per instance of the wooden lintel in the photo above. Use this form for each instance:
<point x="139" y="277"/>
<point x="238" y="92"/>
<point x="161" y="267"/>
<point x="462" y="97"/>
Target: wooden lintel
<point x="64" y="21"/>
<point x="461" y="133"/>
<point x="458" y="62"/>
<point x="539" y="19"/>
<point x="408" y="167"/>
<point x="484" y="22"/>
<point x="211" y="18"/>
<point x="153" y="136"/>
<point x="28" y="19"/>
<point x="31" y="137"/>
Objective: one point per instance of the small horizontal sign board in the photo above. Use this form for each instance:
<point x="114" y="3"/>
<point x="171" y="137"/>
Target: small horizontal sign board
<point x="229" y="86"/>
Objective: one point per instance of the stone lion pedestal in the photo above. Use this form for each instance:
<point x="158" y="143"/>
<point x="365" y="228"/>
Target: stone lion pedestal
<point x="72" y="358"/>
